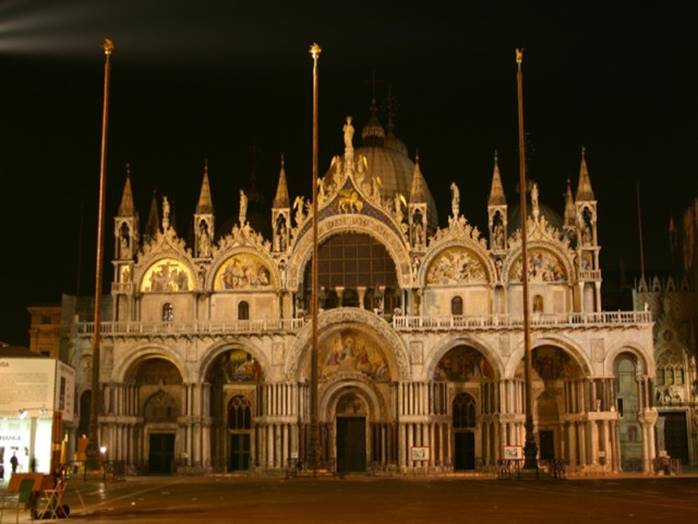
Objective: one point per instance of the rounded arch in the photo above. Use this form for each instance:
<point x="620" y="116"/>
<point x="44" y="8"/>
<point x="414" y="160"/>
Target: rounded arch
<point x="564" y="344"/>
<point x="355" y="318"/>
<point x="561" y="256"/>
<point x="145" y="352"/>
<point x="334" y="392"/>
<point x="350" y="223"/>
<point x="645" y="361"/>
<point x="491" y="356"/>
<point x="216" y="350"/>
<point x="472" y="247"/>
<point x="223" y="258"/>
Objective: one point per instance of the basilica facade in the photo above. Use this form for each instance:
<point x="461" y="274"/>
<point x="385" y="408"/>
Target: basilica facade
<point x="205" y="360"/>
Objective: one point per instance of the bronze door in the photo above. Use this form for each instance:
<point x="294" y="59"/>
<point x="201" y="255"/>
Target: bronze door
<point x="351" y="444"/>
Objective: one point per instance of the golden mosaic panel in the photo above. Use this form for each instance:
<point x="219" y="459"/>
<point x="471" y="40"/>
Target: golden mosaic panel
<point x="352" y="351"/>
<point x="167" y="275"/>
<point x="243" y="271"/>
<point x="543" y="266"/>
<point x="456" y="265"/>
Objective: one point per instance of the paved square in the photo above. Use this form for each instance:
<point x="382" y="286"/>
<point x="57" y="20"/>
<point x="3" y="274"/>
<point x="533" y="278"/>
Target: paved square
<point x="384" y="501"/>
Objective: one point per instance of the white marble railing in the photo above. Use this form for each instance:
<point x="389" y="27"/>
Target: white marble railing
<point x="409" y="323"/>
<point x="590" y="274"/>
<point x="193" y="328"/>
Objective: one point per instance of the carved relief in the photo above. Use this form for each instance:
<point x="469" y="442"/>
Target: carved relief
<point x="167" y="275"/>
<point x="243" y="271"/>
<point x="454" y="266"/>
<point x="543" y="266"/>
<point x="350" y="350"/>
<point x="349" y="201"/>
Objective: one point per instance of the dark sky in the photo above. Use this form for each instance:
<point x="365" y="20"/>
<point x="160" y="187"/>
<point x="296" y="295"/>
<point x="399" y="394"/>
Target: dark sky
<point x="195" y="80"/>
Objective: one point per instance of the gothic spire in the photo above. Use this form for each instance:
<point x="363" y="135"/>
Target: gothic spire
<point x="569" y="206"/>
<point x="281" y="199"/>
<point x="205" y="205"/>
<point x="584" y="191"/>
<point x="126" y="208"/>
<point x="418" y="192"/>
<point x="152" y="226"/>
<point x="497" y="197"/>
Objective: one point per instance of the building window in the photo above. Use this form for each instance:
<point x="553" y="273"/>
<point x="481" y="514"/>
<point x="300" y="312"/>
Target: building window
<point x="456" y="306"/>
<point x="463" y="412"/>
<point x="538" y="304"/>
<point x="239" y="413"/>
<point x="167" y="312"/>
<point x="243" y="311"/>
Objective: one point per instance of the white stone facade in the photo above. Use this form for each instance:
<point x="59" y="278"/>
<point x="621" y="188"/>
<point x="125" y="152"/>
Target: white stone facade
<point x="428" y="371"/>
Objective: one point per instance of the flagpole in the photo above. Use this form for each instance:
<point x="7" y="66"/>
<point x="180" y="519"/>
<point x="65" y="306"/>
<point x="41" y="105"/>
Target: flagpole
<point x="92" y="451"/>
<point x="530" y="448"/>
<point x="314" y="424"/>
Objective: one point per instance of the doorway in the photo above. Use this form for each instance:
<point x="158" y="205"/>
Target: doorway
<point x="675" y="436"/>
<point x="351" y="444"/>
<point x="547" y="444"/>
<point x="161" y="454"/>
<point x="239" y="452"/>
<point x="464" y="451"/>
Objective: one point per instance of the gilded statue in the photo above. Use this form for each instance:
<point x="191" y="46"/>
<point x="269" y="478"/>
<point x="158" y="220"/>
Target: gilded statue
<point x="243" y="208"/>
<point x="348" y="138"/>
<point x="455" y="200"/>
<point x="165" y="213"/>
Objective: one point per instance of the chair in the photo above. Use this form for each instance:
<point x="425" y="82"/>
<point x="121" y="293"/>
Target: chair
<point x="53" y="502"/>
<point x="26" y="496"/>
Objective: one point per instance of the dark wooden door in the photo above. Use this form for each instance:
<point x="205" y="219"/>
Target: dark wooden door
<point x="465" y="451"/>
<point x="351" y="444"/>
<point x="547" y="445"/>
<point x="239" y="452"/>
<point x="161" y="455"/>
<point x="675" y="436"/>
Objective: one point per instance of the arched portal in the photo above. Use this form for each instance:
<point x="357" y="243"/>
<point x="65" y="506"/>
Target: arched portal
<point x="351" y="415"/>
<point x="233" y="377"/>
<point x="465" y="374"/>
<point x="160" y="390"/>
<point x="355" y="270"/>
<point x="556" y="377"/>
<point x="464" y="431"/>
<point x="629" y="407"/>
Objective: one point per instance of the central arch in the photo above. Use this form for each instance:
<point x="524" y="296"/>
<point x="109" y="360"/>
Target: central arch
<point x="350" y="223"/>
<point x="367" y="323"/>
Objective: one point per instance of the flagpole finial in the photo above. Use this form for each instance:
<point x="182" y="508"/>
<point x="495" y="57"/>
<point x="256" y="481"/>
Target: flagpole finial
<point x="315" y="50"/>
<point x="108" y="46"/>
<point x="519" y="55"/>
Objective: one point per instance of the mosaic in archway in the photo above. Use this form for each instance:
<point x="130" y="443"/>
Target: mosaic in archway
<point x="243" y="271"/>
<point x="543" y="266"/>
<point x="235" y="365"/>
<point x="352" y="351"/>
<point x="462" y="364"/>
<point x="553" y="363"/>
<point x="454" y="266"/>
<point x="167" y="275"/>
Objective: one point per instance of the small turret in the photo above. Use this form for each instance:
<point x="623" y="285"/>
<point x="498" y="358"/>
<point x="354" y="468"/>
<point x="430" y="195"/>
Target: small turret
<point x="587" y="241"/>
<point x="125" y="248"/>
<point x="497" y="211"/>
<point x="152" y="226"/>
<point x="417" y="209"/>
<point x="204" y="219"/>
<point x="281" y="213"/>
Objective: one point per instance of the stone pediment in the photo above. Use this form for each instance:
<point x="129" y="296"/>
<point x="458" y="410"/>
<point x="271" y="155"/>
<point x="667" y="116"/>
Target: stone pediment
<point x="243" y="236"/>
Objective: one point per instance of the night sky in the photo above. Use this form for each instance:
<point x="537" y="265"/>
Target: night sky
<point x="231" y="82"/>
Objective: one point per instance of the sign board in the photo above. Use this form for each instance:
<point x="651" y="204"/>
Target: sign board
<point x="27" y="384"/>
<point x="65" y="391"/>
<point x="513" y="453"/>
<point x="420" y="453"/>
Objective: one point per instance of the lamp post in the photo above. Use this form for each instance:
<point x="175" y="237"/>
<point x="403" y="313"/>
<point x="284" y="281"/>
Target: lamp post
<point x="530" y="448"/>
<point x="314" y="424"/>
<point x="93" y="455"/>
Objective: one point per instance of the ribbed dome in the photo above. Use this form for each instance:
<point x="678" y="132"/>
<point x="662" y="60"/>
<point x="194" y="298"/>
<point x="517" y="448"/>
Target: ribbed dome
<point x="395" y="170"/>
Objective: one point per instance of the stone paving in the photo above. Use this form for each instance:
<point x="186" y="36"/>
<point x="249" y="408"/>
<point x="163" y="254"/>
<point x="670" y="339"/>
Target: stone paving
<point x="368" y="500"/>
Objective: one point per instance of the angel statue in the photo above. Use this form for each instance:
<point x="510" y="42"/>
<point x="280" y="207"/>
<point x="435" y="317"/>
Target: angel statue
<point x="243" y="208"/>
<point x="348" y="138"/>
<point x="298" y="208"/>
<point x="165" y="213"/>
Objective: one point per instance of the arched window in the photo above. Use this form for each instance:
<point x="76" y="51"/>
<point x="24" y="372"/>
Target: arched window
<point x="243" y="311"/>
<point x="538" y="304"/>
<point x="456" y="306"/>
<point x="167" y="312"/>
<point x="463" y="412"/>
<point x="239" y="413"/>
<point x="161" y="407"/>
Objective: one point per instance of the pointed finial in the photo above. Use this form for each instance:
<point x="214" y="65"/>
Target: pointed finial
<point x="584" y="190"/>
<point x="315" y="50"/>
<point x="416" y="156"/>
<point x="127" y="207"/>
<point x="497" y="197"/>
<point x="281" y="200"/>
<point x="205" y="205"/>
<point x="418" y="190"/>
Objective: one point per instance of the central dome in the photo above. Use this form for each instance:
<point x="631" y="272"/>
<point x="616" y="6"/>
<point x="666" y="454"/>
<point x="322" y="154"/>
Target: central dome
<point x="387" y="159"/>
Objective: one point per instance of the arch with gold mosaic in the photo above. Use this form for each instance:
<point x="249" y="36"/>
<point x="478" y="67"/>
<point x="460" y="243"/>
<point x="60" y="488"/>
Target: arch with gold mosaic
<point x="243" y="270"/>
<point x="456" y="263"/>
<point x="167" y="274"/>
<point x="546" y="264"/>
